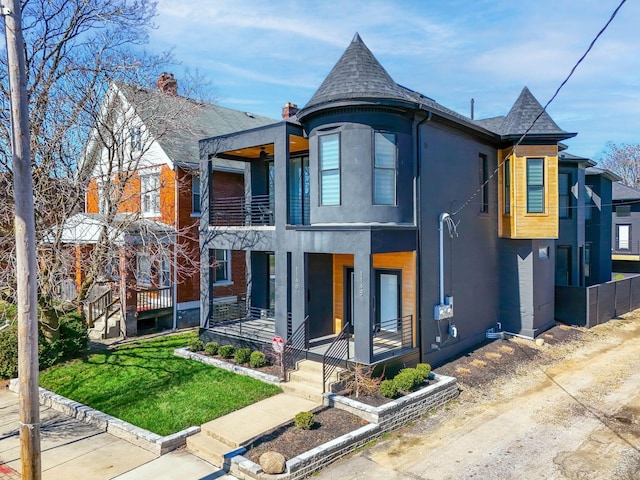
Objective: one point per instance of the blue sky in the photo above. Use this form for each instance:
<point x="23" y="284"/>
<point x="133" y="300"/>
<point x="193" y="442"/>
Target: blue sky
<point x="260" y="54"/>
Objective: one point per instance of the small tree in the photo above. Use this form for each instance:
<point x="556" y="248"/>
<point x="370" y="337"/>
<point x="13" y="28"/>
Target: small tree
<point x="624" y="161"/>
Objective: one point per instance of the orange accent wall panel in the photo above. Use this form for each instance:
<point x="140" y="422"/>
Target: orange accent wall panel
<point x="405" y="261"/>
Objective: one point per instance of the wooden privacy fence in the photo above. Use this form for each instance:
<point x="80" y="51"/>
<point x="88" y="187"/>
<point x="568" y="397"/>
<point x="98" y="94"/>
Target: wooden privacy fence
<point x="590" y="306"/>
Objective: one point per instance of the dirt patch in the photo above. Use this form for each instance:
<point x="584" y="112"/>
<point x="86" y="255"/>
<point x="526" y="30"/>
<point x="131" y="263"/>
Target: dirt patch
<point x="291" y="441"/>
<point x="500" y="359"/>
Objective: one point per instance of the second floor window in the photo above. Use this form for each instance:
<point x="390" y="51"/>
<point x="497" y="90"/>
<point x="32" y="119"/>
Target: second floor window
<point x="535" y="185"/>
<point x="330" y="169"/>
<point x="136" y="139"/>
<point x="484" y="183"/>
<point x="150" y="194"/>
<point x="195" y="193"/>
<point x="384" y="169"/>
<point x="564" y="199"/>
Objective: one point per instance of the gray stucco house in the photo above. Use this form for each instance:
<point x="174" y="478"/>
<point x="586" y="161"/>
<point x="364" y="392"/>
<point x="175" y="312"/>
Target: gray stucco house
<point x="379" y="216"/>
<point x="625" y="232"/>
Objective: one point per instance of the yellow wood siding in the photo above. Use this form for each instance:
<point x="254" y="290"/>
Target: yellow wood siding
<point x="405" y="261"/>
<point x="519" y="223"/>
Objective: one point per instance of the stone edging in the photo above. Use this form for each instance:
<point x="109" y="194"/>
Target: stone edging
<point x="382" y="419"/>
<point x="138" y="436"/>
<point x="198" y="357"/>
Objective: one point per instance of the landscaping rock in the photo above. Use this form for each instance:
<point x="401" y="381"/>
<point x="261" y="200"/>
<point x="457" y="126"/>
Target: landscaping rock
<point x="272" y="462"/>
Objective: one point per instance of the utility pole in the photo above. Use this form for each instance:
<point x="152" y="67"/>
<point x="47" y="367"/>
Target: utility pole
<point x="27" y="291"/>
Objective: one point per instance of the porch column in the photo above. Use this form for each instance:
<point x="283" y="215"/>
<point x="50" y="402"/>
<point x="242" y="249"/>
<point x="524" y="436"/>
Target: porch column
<point x="281" y="292"/>
<point x="298" y="288"/>
<point x="364" y="291"/>
<point x="127" y="292"/>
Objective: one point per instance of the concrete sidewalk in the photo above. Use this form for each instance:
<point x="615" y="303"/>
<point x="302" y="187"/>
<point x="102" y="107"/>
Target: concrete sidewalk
<point x="73" y="449"/>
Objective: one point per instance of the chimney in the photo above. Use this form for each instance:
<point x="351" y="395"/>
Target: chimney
<point x="167" y="84"/>
<point x="289" y="110"/>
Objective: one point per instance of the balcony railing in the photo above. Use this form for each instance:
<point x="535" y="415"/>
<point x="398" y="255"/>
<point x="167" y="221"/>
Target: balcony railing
<point x="256" y="210"/>
<point x="634" y="249"/>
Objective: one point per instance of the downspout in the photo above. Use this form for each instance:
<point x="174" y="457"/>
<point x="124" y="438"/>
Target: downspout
<point x="175" y="250"/>
<point x="443" y="217"/>
<point x="417" y="221"/>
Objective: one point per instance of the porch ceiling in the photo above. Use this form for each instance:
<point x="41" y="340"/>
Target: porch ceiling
<point x="296" y="144"/>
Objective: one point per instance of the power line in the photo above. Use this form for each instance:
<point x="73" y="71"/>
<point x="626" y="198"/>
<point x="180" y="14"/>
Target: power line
<point x="544" y="109"/>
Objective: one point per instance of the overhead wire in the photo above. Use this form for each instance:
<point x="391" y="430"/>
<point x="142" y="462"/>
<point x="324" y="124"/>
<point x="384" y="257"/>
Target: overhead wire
<point x="544" y="109"/>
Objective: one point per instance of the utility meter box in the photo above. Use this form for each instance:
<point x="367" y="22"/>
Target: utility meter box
<point x="440" y="312"/>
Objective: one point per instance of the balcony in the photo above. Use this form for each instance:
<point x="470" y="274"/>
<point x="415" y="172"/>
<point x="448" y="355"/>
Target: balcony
<point x="256" y="210"/>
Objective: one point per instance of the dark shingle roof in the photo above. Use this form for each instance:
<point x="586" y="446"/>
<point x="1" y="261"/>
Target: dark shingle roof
<point x="357" y="75"/>
<point x="191" y="121"/>
<point x="522" y="115"/>
<point x="623" y="192"/>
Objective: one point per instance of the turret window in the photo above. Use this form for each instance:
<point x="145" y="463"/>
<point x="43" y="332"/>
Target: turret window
<point x="330" y="169"/>
<point x="535" y="185"/>
<point x="384" y="166"/>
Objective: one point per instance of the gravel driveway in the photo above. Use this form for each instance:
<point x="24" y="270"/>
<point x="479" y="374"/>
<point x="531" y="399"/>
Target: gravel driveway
<point x="565" y="409"/>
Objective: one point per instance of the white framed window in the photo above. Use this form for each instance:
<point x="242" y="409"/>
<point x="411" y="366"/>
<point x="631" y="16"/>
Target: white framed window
<point x="195" y="193"/>
<point x="623" y="237"/>
<point x="135" y="135"/>
<point x="329" y="153"/>
<point x="143" y="269"/>
<point x="221" y="267"/>
<point x="150" y="194"/>
<point x="103" y="200"/>
<point x="165" y="280"/>
<point x="384" y="168"/>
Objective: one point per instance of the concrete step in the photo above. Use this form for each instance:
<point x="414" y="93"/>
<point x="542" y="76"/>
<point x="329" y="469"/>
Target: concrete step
<point x="113" y="330"/>
<point x="311" y="378"/>
<point x="210" y="449"/>
<point x="309" y="366"/>
<point x="303" y="390"/>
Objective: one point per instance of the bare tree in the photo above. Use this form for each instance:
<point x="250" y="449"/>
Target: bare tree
<point x="75" y="49"/>
<point x="624" y="161"/>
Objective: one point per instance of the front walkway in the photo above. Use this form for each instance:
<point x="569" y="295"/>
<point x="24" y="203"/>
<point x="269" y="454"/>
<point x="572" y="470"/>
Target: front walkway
<point x="73" y="449"/>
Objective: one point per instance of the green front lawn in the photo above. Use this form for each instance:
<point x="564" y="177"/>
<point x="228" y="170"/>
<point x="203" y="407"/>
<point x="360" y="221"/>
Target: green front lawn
<point x="143" y="383"/>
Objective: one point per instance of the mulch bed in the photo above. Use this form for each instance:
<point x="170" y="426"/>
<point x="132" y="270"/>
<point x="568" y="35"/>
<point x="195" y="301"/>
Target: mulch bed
<point x="291" y="441"/>
<point x="377" y="400"/>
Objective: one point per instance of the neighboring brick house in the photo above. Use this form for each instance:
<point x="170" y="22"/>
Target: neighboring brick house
<point x="385" y="206"/>
<point x="144" y="191"/>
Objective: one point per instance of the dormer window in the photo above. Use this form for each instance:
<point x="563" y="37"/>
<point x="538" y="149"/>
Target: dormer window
<point x="136" y="139"/>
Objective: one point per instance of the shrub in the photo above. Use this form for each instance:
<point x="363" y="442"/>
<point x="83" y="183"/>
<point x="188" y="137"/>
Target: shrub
<point x="242" y="355"/>
<point x="408" y="379"/>
<point x="424" y="369"/>
<point x="195" y="345"/>
<point x="74" y="337"/>
<point x="388" y="389"/>
<point x="304" y="420"/>
<point x="9" y="352"/>
<point x="226" y="351"/>
<point x="257" y="359"/>
<point x="211" y="348"/>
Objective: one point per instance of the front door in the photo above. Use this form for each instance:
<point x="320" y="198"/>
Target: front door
<point x="388" y="301"/>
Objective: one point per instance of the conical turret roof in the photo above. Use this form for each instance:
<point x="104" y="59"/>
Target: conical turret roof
<point x="524" y="112"/>
<point x="357" y="76"/>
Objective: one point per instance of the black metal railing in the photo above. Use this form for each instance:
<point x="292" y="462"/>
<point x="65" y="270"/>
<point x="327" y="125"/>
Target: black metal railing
<point x="296" y="347"/>
<point x="336" y="355"/>
<point x="230" y="312"/>
<point x="154" y="299"/>
<point x="634" y="248"/>
<point x="299" y="210"/>
<point x="392" y="335"/>
<point x="256" y="210"/>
